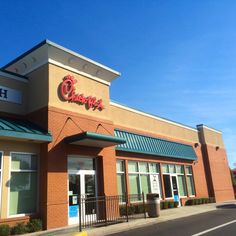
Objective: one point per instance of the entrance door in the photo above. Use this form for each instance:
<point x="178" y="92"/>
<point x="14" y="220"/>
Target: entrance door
<point x="175" y="188"/>
<point x="81" y="183"/>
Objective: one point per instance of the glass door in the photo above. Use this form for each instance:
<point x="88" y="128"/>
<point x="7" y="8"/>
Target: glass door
<point x="82" y="183"/>
<point x="175" y="188"/>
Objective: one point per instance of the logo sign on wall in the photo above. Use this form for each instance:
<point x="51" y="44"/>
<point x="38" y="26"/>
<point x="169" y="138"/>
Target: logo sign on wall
<point x="10" y="95"/>
<point x="68" y="93"/>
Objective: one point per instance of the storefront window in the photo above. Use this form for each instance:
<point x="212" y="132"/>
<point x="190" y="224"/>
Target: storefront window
<point x="145" y="183"/>
<point x="165" y="168"/>
<point x="133" y="166"/>
<point x="120" y="177"/>
<point x="182" y="185"/>
<point x="143" y="177"/>
<point x="154" y="168"/>
<point x="172" y="169"/>
<point x="134" y="184"/>
<point x="80" y="163"/>
<point x="143" y="167"/>
<point x="190" y="183"/>
<point x="181" y="180"/>
<point x="179" y="169"/>
<point x="167" y="186"/>
<point x="23" y="184"/>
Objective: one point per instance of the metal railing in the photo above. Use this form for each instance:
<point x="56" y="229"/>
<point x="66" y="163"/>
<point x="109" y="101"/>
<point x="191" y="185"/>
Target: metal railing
<point x="106" y="210"/>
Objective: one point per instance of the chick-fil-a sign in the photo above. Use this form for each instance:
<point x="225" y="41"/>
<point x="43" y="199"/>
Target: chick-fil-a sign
<point x="68" y="93"/>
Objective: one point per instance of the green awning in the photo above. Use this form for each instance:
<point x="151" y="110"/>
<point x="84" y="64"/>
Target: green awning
<point x="94" y="140"/>
<point x="138" y="143"/>
<point x="14" y="129"/>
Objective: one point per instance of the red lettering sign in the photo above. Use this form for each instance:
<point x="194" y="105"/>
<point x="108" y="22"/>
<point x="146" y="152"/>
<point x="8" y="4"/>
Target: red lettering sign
<point x="68" y="93"/>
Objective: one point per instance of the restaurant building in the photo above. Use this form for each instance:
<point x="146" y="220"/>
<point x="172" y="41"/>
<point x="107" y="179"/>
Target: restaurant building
<point x="60" y="135"/>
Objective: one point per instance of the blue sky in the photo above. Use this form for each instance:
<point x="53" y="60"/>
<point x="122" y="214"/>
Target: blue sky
<point x="177" y="58"/>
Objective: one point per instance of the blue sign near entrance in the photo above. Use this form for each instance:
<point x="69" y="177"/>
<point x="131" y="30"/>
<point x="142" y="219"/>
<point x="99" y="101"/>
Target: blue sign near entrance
<point x="73" y="211"/>
<point x="176" y="198"/>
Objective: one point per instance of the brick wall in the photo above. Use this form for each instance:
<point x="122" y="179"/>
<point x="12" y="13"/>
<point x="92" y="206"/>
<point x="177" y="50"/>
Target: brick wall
<point x="219" y="173"/>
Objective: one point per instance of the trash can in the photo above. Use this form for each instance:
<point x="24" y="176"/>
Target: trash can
<point x="153" y="204"/>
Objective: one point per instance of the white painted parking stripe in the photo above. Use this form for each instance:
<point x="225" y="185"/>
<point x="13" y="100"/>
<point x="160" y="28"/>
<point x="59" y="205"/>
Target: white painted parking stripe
<point x="214" y="228"/>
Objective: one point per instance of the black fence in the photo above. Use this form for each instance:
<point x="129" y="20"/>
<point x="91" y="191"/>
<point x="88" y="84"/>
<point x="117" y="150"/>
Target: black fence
<point x="106" y="210"/>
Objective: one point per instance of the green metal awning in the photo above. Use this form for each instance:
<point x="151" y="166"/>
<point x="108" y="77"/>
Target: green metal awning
<point x="14" y="129"/>
<point x="154" y="146"/>
<point x="94" y="140"/>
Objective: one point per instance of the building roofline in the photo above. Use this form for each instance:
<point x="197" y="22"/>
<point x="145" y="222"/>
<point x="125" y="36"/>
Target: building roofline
<point x="50" y="43"/>
<point x="117" y="104"/>
<point x="13" y="75"/>
<point x="25" y="54"/>
<point x="207" y="127"/>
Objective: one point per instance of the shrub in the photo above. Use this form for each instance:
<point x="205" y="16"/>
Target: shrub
<point x="165" y="205"/>
<point x="171" y="204"/>
<point x="176" y="204"/>
<point x="161" y="205"/>
<point x="139" y="209"/>
<point x="200" y="201"/>
<point x="204" y="200"/>
<point x="131" y="210"/>
<point x="122" y="210"/>
<point x="19" y="228"/>
<point x="34" y="225"/>
<point x="189" y="202"/>
<point x="4" y="230"/>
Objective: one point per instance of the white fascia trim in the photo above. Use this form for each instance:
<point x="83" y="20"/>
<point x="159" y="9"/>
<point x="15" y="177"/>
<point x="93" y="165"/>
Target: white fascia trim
<point x="151" y="116"/>
<point x="78" y="72"/>
<point x="10" y="76"/>
<point x="206" y="127"/>
<point x="82" y="57"/>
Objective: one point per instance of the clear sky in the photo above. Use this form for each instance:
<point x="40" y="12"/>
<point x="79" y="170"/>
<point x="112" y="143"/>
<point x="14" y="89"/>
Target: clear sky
<point x="177" y="58"/>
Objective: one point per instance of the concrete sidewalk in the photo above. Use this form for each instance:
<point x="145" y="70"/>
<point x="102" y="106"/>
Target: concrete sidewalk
<point x="166" y="215"/>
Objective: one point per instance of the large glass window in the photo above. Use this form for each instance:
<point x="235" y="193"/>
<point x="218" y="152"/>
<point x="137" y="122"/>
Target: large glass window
<point x="167" y="186"/>
<point x="190" y="183"/>
<point x="134" y="184"/>
<point x="81" y="163"/>
<point x="143" y="177"/>
<point x="23" y="184"/>
<point x="120" y="177"/>
<point x="181" y="180"/>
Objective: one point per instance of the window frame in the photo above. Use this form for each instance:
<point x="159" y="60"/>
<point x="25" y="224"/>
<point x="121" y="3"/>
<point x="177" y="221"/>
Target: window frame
<point x="23" y="171"/>
<point x="148" y="173"/>
<point x="181" y="174"/>
<point x="121" y="173"/>
<point x="192" y="180"/>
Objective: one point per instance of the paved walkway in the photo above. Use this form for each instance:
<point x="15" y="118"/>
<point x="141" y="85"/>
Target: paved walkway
<point x="169" y="214"/>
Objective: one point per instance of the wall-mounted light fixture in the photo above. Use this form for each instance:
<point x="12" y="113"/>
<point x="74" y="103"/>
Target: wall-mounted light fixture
<point x="196" y="145"/>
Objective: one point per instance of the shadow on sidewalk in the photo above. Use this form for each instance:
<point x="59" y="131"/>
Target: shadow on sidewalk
<point x="226" y="206"/>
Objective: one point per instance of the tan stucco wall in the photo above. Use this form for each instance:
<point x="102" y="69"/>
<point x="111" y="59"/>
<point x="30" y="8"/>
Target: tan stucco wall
<point x="129" y="119"/>
<point x="209" y="136"/>
<point x="38" y="88"/>
<point x="84" y="85"/>
<point x="10" y="107"/>
<point x="6" y="147"/>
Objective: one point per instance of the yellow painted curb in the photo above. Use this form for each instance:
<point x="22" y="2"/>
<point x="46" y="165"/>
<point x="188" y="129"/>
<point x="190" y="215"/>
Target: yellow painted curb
<point x="84" y="233"/>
